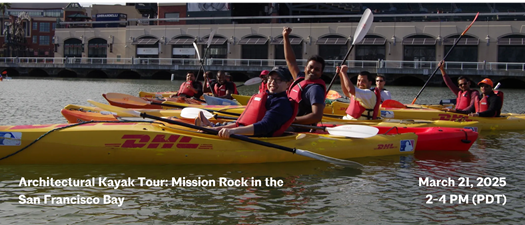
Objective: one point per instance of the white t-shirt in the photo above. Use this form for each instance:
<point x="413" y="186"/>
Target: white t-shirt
<point x="367" y="98"/>
<point x="385" y="95"/>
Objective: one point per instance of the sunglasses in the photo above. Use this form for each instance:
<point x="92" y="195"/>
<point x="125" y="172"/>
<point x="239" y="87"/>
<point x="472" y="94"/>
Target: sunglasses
<point x="463" y="84"/>
<point x="380" y="80"/>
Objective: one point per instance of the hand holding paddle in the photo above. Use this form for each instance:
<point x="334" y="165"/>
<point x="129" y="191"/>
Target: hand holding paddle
<point x="335" y="161"/>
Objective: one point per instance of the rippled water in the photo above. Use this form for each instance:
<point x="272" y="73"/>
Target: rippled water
<point x="385" y="192"/>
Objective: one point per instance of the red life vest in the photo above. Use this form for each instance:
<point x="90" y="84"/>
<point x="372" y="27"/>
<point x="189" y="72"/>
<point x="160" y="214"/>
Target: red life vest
<point x="355" y="109"/>
<point x="296" y="89"/>
<point x="482" y="105"/>
<point x="220" y="90"/>
<point x="235" y="89"/>
<point x="463" y="99"/>
<point x="262" y="87"/>
<point x="185" y="90"/>
<point x="256" y="109"/>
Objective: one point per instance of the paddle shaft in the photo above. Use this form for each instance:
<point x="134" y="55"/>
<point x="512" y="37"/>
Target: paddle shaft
<point x="449" y="51"/>
<point x="181" y="107"/>
<point x="343" y="62"/>
<point x="211" y="131"/>
<point x="293" y="124"/>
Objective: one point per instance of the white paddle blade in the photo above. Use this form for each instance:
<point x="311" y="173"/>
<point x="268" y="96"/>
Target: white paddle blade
<point x="353" y="131"/>
<point x="193" y="113"/>
<point x="364" y="25"/>
<point x="210" y="38"/>
<point x="255" y="80"/>
<point x="197" y="50"/>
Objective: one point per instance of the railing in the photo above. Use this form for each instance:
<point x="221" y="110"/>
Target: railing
<point x="364" y="64"/>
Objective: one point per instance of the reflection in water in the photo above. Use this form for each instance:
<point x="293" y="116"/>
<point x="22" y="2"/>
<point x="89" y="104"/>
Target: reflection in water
<point x="387" y="191"/>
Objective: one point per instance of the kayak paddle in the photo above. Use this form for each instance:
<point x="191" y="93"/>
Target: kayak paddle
<point x="332" y="95"/>
<point x="362" y="28"/>
<point x="306" y="153"/>
<point x="255" y="80"/>
<point x="455" y="43"/>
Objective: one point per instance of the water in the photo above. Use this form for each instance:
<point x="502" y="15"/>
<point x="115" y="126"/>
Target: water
<point x="385" y="192"/>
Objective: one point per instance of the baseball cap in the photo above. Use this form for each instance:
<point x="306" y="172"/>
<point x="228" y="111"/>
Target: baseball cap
<point x="264" y="73"/>
<point x="283" y="73"/>
<point x="487" y="81"/>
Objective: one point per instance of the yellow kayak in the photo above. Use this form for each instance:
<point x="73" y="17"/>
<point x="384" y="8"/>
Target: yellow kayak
<point x="159" y="143"/>
<point x="507" y="121"/>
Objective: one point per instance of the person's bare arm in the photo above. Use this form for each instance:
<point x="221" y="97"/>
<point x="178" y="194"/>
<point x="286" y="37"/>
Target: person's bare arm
<point x="314" y="117"/>
<point x="346" y="84"/>
<point x="289" y="55"/>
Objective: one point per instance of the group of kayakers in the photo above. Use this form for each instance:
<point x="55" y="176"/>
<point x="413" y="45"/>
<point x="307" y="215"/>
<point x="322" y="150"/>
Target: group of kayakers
<point x="289" y="95"/>
<point x="469" y="101"/>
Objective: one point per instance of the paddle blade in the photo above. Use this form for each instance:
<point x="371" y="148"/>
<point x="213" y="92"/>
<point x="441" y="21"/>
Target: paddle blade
<point x="210" y="38"/>
<point x="335" y="161"/>
<point x="192" y="113"/>
<point x="353" y="131"/>
<point x="389" y="103"/>
<point x="125" y="98"/>
<point x="120" y="111"/>
<point x="197" y="50"/>
<point x="364" y="25"/>
<point x="474" y="20"/>
<point x="255" y="80"/>
<point x="332" y="95"/>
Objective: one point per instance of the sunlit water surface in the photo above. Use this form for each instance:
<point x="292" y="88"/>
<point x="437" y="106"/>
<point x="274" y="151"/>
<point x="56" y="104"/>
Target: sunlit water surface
<point x="387" y="191"/>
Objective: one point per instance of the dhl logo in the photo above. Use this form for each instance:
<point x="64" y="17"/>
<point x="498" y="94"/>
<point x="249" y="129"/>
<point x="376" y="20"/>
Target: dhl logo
<point x="385" y="146"/>
<point x="453" y="117"/>
<point x="160" y="140"/>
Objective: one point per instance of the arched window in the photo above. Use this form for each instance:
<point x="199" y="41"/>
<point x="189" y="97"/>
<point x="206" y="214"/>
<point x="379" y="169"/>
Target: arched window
<point x="332" y="47"/>
<point x="97" y="48"/>
<point x="372" y="47"/>
<point x="419" y="48"/>
<point x="73" y="47"/>
<point x="254" y="47"/>
<point x="296" y="43"/>
<point x="511" y="48"/>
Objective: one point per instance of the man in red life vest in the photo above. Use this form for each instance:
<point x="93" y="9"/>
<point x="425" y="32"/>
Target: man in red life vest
<point x="190" y="88"/>
<point x="267" y="114"/>
<point x="223" y="88"/>
<point x="364" y="103"/>
<point x="490" y="103"/>
<point x="308" y="89"/>
<point x="264" y="78"/>
<point x="464" y="95"/>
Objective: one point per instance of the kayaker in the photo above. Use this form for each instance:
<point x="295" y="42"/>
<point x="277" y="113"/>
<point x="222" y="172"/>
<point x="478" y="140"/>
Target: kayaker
<point x="223" y="88"/>
<point x="3" y="73"/>
<point x="190" y="88"/>
<point x="229" y="79"/>
<point x="209" y="80"/>
<point x="464" y="95"/>
<point x="308" y="89"/>
<point x="267" y="114"/>
<point x="489" y="105"/>
<point x="364" y="103"/>
<point x="264" y="78"/>
<point x="380" y="84"/>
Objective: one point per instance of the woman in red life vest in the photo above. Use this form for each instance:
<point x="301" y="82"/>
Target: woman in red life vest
<point x="267" y="114"/>
<point x="264" y="78"/>
<point x="464" y="95"/>
<point x="490" y="103"/>
<point x="190" y="88"/>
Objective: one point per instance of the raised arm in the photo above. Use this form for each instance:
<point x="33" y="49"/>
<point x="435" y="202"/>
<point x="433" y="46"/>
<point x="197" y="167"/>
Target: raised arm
<point x="347" y="85"/>
<point x="289" y="55"/>
<point x="450" y="84"/>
